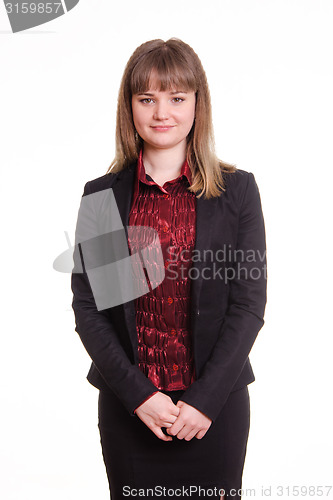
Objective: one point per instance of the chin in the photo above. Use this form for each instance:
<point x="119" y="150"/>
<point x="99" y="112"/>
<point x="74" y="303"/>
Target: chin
<point x="161" y="144"/>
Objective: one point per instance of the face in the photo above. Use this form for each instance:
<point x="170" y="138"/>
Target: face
<point x="163" y="119"/>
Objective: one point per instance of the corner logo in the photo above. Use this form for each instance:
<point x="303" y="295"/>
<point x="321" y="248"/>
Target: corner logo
<point x="25" y="15"/>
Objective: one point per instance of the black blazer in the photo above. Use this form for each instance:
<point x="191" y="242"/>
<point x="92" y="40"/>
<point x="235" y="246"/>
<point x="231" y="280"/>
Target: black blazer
<point x="226" y="314"/>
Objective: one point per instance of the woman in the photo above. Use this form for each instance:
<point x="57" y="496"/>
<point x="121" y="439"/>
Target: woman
<point x="171" y="360"/>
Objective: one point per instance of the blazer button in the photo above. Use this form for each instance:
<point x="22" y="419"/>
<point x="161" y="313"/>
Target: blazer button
<point x="198" y="312"/>
<point x="175" y="367"/>
<point x="173" y="332"/>
<point x="170" y="300"/>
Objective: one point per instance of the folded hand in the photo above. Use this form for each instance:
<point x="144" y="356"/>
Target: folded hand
<point x="181" y="420"/>
<point x="190" y="423"/>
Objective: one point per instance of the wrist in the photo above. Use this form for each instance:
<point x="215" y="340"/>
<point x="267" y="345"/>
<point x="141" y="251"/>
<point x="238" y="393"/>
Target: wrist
<point x="148" y="397"/>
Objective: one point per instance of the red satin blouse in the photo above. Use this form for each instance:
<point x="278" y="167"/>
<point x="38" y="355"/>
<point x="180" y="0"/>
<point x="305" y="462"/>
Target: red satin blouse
<point x="163" y="314"/>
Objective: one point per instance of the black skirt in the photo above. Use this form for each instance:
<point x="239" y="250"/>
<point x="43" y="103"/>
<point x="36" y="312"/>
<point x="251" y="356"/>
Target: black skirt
<point x="140" y="464"/>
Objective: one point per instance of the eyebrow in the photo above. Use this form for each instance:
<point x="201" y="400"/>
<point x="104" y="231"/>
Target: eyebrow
<point x="172" y="93"/>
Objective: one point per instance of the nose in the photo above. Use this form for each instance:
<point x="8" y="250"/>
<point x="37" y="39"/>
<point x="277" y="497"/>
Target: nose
<point x="161" y="111"/>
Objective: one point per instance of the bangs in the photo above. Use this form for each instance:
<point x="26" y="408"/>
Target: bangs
<point x="172" y="70"/>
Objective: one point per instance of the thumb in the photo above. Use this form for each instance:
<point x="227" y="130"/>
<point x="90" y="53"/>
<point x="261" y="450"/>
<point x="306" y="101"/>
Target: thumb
<point x="180" y="403"/>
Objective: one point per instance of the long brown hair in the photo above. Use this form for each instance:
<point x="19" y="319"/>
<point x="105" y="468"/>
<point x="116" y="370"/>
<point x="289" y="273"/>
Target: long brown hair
<point x="177" y="65"/>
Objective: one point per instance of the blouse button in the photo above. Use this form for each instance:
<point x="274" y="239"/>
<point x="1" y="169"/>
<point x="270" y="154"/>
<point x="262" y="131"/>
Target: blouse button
<point x="165" y="196"/>
<point x="170" y="300"/>
<point x="175" y="367"/>
<point x="173" y="332"/>
<point x="165" y="229"/>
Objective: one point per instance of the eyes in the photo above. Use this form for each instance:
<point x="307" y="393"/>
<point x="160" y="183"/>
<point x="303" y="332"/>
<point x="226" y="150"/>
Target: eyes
<point x="149" y="100"/>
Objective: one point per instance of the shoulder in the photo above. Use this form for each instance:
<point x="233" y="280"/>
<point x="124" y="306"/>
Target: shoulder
<point x="238" y="185"/>
<point x="237" y="179"/>
<point x="108" y="180"/>
<point x="99" y="183"/>
<point x="243" y="197"/>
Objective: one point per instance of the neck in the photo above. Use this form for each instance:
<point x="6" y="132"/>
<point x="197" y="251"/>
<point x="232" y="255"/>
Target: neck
<point x="164" y="164"/>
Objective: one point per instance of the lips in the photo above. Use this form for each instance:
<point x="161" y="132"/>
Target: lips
<point x="163" y="128"/>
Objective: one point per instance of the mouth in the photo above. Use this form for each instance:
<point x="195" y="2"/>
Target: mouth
<point x="162" y="128"/>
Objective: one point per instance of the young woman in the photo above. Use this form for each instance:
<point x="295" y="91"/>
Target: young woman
<point x="171" y="362"/>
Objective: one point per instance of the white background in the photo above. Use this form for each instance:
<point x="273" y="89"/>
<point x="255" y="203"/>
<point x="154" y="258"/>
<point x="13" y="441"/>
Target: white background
<point x="269" y="65"/>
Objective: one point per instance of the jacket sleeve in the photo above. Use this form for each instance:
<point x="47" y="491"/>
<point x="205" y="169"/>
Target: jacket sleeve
<point x="145" y="400"/>
<point x="96" y="330"/>
<point x="245" y="313"/>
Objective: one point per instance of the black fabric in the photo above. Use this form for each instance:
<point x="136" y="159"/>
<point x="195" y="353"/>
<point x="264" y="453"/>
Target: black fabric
<point x="226" y="309"/>
<point x="135" y="458"/>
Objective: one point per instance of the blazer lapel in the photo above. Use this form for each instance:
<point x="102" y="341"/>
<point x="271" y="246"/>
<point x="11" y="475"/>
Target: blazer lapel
<point x="205" y="215"/>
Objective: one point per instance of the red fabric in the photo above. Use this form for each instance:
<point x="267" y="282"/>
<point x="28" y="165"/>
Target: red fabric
<point x="163" y="314"/>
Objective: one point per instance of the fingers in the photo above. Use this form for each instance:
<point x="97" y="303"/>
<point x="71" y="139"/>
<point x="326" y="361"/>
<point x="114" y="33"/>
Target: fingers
<point x="175" y="411"/>
<point x="176" y="428"/>
<point x="157" y="412"/>
<point x="166" y="424"/>
<point x="187" y="432"/>
<point x="181" y="420"/>
<point x="167" y="419"/>
<point x="160" y="434"/>
<point x="190" y="435"/>
<point x="189" y="424"/>
<point x="201" y="434"/>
